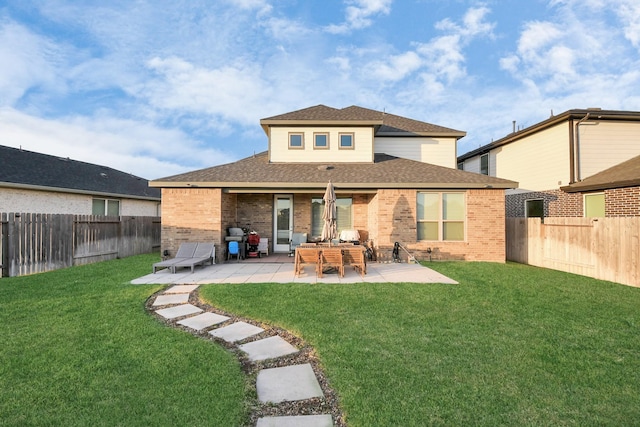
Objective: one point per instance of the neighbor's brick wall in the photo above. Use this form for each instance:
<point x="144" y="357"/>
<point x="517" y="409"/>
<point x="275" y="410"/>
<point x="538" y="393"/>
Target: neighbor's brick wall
<point x="191" y="215"/>
<point x="557" y="203"/>
<point x="622" y="201"/>
<point x="485" y="232"/>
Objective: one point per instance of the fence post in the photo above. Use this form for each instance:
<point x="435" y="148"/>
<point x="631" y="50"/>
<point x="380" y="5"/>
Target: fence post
<point x="4" y="245"/>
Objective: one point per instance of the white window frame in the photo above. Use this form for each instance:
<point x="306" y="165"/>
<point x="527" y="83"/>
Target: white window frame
<point x="106" y="205"/>
<point x="347" y="147"/>
<point x="584" y="204"/>
<point x="440" y="220"/>
<point x="295" y="147"/>
<point x="319" y="147"/>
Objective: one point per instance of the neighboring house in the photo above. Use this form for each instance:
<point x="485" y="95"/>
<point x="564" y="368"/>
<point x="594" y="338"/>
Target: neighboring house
<point x="39" y="183"/>
<point x="395" y="180"/>
<point x="555" y="161"/>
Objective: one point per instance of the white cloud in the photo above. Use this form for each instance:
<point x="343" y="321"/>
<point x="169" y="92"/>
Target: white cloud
<point x="234" y="92"/>
<point x="360" y="14"/>
<point x="28" y="61"/>
<point x="397" y="67"/>
<point x="129" y="146"/>
<point x="629" y="14"/>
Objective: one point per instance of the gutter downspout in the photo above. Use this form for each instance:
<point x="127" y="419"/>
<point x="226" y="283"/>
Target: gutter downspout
<point x="572" y="166"/>
<point x="577" y="153"/>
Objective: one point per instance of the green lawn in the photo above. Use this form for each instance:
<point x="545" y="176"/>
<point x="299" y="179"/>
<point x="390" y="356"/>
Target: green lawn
<point x="509" y="345"/>
<point x="77" y="348"/>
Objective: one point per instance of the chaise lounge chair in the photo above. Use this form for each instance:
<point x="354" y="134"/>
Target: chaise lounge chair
<point x="205" y="252"/>
<point x="185" y="251"/>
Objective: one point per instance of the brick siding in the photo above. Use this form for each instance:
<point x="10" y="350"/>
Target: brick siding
<point x="386" y="217"/>
<point x="484" y="236"/>
<point x="557" y="203"/>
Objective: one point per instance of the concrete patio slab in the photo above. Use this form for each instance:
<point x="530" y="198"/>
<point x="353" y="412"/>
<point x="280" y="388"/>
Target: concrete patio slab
<point x="202" y="321"/>
<point x="236" y="331"/>
<point x="178" y="311"/>
<point x="181" y="289"/>
<point x="268" y="348"/>
<point x="256" y="272"/>
<point x="171" y="299"/>
<point x="296" y="421"/>
<point x="287" y="384"/>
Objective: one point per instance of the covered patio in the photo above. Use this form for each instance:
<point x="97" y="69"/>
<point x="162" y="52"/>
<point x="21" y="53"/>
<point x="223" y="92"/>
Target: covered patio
<point x="280" y="269"/>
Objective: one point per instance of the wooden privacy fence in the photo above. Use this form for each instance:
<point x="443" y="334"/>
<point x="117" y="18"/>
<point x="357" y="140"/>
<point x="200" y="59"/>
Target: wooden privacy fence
<point x="603" y="248"/>
<point x="34" y="243"/>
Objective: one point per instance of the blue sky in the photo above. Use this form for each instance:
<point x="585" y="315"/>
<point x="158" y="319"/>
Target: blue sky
<point x="156" y="88"/>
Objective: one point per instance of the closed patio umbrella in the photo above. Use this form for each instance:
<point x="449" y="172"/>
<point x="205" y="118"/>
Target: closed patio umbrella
<point x="329" y="231"/>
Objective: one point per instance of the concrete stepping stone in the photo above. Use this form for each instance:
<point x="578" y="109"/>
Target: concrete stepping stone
<point x="296" y="421"/>
<point x="236" y="331"/>
<point x="287" y="384"/>
<point x="181" y="289"/>
<point x="202" y="321"/>
<point x="171" y="299"/>
<point x="179" y="311"/>
<point x="268" y="348"/>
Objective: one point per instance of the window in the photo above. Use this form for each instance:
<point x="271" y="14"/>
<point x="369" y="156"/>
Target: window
<point x="321" y="140"/>
<point x="441" y="216"/>
<point x="484" y="164"/>
<point x="344" y="220"/>
<point x="594" y="205"/>
<point x="296" y="140"/>
<point x="106" y="207"/>
<point x="534" y="208"/>
<point x="345" y="140"/>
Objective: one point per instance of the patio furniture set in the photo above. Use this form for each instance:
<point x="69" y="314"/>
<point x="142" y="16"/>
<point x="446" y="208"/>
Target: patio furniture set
<point x="325" y="255"/>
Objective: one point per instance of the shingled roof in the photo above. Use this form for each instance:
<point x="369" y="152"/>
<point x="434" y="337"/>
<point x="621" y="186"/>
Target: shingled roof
<point x="386" y="171"/>
<point x="27" y="169"/>
<point x="386" y="124"/>
<point x="625" y="174"/>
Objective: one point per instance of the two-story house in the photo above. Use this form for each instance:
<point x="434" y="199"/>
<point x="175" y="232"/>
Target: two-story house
<point x="578" y="163"/>
<point x="39" y="183"/>
<point x="396" y="181"/>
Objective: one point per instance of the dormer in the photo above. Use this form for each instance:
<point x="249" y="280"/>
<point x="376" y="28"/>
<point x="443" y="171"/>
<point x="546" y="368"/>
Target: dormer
<point x="354" y="134"/>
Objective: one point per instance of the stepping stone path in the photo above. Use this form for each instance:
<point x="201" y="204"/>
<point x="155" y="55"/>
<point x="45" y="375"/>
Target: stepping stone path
<point x="287" y="383"/>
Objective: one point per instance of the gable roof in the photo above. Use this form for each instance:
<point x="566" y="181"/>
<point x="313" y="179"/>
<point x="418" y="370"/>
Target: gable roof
<point x="575" y="114"/>
<point x="256" y="173"/>
<point x="386" y="124"/>
<point x="27" y="169"/>
<point x="625" y="174"/>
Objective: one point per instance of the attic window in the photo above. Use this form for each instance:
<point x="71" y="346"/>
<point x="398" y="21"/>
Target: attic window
<point x="321" y="141"/>
<point x="345" y="141"/>
<point x="296" y="140"/>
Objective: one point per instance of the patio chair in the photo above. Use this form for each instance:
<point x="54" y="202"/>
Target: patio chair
<point x="331" y="257"/>
<point x="185" y="251"/>
<point x="205" y="252"/>
<point x="354" y="256"/>
<point x="296" y="240"/>
<point x="233" y="250"/>
<point x="304" y="257"/>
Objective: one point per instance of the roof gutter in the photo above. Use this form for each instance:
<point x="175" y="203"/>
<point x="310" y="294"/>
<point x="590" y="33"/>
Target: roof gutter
<point x="76" y="191"/>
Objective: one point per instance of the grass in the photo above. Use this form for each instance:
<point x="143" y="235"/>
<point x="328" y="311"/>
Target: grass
<point x="77" y="348"/>
<point x="509" y="345"/>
